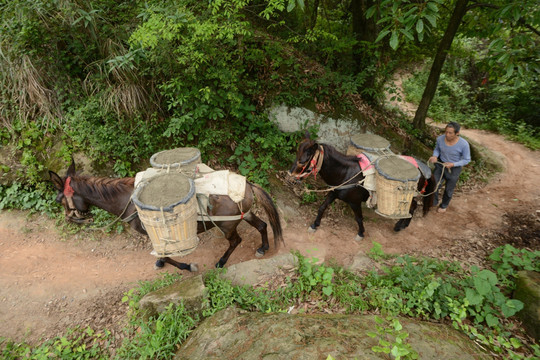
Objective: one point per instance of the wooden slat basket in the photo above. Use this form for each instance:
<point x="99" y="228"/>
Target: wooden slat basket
<point x="171" y="228"/>
<point x="397" y="181"/>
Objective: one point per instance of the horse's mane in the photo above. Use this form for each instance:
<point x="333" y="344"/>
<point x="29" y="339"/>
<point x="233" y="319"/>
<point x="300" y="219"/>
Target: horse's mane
<point x="336" y="154"/>
<point x="106" y="188"/>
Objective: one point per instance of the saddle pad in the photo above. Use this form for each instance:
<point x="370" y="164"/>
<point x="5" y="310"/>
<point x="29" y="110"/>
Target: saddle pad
<point x="222" y="182"/>
<point x="209" y="182"/>
<point x="365" y="162"/>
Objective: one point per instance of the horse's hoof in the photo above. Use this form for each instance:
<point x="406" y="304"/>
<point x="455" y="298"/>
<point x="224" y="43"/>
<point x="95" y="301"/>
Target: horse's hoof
<point x="359" y="238"/>
<point x="259" y="253"/>
<point x="193" y="267"/>
<point x="311" y="229"/>
<point x="159" y="264"/>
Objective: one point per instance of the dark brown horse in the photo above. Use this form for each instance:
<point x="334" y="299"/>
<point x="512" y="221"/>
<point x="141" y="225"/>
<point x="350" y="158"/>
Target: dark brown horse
<point x="344" y="172"/>
<point x="78" y="193"/>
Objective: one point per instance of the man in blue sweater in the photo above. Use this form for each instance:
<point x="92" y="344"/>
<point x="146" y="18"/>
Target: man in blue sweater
<point x="454" y="153"/>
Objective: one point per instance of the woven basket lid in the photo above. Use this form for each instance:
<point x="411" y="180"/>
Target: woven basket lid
<point x="164" y="191"/>
<point x="175" y="157"/>
<point x="397" y="169"/>
<point x="370" y="142"/>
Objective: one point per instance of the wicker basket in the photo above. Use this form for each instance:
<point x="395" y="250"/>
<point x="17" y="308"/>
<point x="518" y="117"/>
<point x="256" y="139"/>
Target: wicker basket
<point x="185" y="160"/>
<point x="371" y="143"/>
<point x="397" y="181"/>
<point x="172" y="229"/>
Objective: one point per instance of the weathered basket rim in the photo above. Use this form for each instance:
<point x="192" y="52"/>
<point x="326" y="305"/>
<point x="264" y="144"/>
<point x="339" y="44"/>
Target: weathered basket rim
<point x="168" y="208"/>
<point x="368" y="148"/>
<point x="156" y="165"/>
<point x="387" y="176"/>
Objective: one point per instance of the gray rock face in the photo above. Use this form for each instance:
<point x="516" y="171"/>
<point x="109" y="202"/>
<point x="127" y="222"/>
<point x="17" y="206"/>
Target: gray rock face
<point x="190" y="291"/>
<point x="528" y="292"/>
<point x="234" y="334"/>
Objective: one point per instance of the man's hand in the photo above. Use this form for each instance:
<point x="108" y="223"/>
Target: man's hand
<point x="448" y="165"/>
<point x="432" y="159"/>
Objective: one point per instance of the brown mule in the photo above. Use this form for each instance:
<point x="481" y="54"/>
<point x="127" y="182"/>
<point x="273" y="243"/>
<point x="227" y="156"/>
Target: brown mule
<point x="77" y="193"/>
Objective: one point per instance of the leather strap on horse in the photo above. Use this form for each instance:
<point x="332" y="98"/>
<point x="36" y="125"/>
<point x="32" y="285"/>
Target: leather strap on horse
<point x="315" y="162"/>
<point x="69" y="192"/>
<point x="343" y="185"/>
<point x="203" y="214"/>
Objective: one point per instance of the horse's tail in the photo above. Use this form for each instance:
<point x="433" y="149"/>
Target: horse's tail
<point x="430" y="190"/>
<point x="268" y="205"/>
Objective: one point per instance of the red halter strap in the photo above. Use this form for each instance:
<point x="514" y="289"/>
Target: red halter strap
<point x="423" y="191"/>
<point x="315" y="162"/>
<point x="68" y="190"/>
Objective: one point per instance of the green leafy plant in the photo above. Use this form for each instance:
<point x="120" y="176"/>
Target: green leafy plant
<point x="485" y="298"/>
<point x="392" y="339"/>
<point x="313" y="276"/>
<point x="75" y="344"/>
<point x="35" y="199"/>
<point x="158" y="338"/>
<point x="507" y="261"/>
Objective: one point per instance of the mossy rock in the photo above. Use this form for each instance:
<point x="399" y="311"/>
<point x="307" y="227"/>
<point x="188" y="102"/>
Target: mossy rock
<point x="494" y="162"/>
<point x="528" y="292"/>
<point x="236" y="334"/>
<point x="191" y="292"/>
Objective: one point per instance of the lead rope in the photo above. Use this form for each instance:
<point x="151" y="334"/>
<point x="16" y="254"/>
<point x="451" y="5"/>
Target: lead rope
<point x="332" y="188"/>
<point x="128" y="219"/>
<point x="440" y="179"/>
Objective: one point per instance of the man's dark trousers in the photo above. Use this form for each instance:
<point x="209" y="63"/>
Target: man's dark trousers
<point x="451" y="177"/>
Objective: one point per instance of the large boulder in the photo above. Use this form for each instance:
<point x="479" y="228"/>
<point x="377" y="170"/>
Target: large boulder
<point x="190" y="291"/>
<point x="235" y="334"/>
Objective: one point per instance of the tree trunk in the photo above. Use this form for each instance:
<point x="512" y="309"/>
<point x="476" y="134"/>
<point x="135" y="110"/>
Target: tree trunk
<point x="312" y="11"/>
<point x="438" y="62"/>
<point x="365" y="31"/>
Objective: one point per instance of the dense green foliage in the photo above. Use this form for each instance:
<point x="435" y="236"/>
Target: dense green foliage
<point x="476" y="301"/>
<point x="466" y="95"/>
<point x="120" y="81"/>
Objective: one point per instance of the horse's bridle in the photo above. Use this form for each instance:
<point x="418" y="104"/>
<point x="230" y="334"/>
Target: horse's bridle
<point x="73" y="214"/>
<point x="315" y="164"/>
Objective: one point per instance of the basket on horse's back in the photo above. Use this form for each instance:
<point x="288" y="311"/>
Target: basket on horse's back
<point x="370" y="143"/>
<point x="397" y="181"/>
<point x="166" y="204"/>
<point x="184" y="160"/>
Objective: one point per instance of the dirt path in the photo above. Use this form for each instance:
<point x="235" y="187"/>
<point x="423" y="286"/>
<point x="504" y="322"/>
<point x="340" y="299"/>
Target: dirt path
<point x="50" y="282"/>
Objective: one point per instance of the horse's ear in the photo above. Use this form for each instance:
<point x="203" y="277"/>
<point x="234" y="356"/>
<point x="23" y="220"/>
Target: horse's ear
<point x="307" y="135"/>
<point x="71" y="169"/>
<point x="57" y="181"/>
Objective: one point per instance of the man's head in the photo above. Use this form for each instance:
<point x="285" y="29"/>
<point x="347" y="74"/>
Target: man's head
<point x="451" y="131"/>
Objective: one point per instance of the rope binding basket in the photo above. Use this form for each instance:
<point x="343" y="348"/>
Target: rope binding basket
<point x="167" y="207"/>
<point x="184" y="160"/>
<point x="397" y="181"/>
